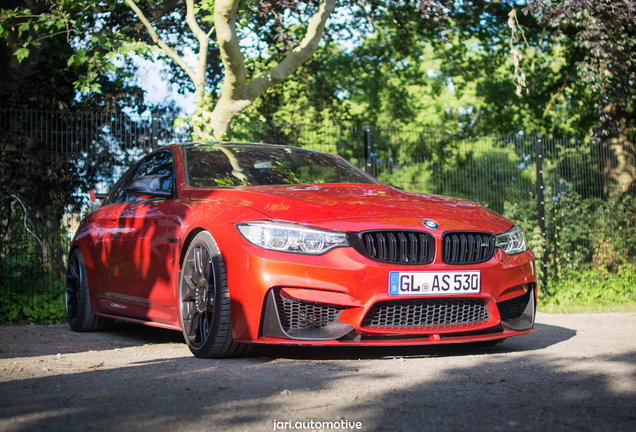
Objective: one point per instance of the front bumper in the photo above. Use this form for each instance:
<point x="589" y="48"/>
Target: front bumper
<point x="300" y="321"/>
<point x="331" y="297"/>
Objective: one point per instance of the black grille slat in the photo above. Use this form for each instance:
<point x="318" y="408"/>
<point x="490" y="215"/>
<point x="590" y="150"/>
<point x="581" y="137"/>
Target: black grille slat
<point x="471" y="248"/>
<point x="370" y="244"/>
<point x="413" y="256"/>
<point x="393" y="246"/>
<point x="478" y="251"/>
<point x="424" y="248"/>
<point x="426" y="312"/>
<point x="404" y="246"/>
<point x="467" y="247"/>
<point x="296" y="314"/>
<point x="455" y="252"/>
<point x="463" y="244"/>
<point x="381" y="246"/>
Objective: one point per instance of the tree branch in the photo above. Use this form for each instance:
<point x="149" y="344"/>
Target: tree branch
<point x="202" y="37"/>
<point x="231" y="56"/>
<point x="155" y="37"/>
<point x="555" y="96"/>
<point x="298" y="56"/>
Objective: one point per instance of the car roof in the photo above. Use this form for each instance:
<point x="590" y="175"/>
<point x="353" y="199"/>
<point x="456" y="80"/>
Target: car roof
<point x="235" y="144"/>
<point x="239" y="144"/>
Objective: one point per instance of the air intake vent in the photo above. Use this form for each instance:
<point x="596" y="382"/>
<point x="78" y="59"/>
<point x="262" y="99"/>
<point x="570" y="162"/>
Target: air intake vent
<point x="467" y="247"/>
<point x="396" y="247"/>
<point x="299" y="315"/>
<point x="289" y="318"/>
<point x="425" y="312"/>
<point x="513" y="308"/>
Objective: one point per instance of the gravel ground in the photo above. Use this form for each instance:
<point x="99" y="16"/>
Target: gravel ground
<point x="575" y="373"/>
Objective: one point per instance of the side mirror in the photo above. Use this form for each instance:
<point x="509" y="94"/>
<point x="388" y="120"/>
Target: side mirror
<point x="151" y="187"/>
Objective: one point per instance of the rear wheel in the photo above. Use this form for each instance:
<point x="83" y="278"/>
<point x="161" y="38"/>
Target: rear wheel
<point x="205" y="302"/>
<point x="79" y="312"/>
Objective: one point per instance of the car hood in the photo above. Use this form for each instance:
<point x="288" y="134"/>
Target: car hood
<point x="324" y="202"/>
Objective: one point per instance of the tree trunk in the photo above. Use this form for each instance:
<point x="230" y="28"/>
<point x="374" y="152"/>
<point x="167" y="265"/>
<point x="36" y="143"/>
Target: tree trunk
<point x="619" y="155"/>
<point x="214" y="125"/>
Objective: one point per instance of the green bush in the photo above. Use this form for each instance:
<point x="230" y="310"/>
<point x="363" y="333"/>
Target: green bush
<point x="592" y="288"/>
<point x="39" y="310"/>
<point x="594" y="233"/>
<point x="32" y="264"/>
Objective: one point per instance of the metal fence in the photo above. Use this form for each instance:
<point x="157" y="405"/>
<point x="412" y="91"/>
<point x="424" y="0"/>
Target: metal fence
<point x="558" y="190"/>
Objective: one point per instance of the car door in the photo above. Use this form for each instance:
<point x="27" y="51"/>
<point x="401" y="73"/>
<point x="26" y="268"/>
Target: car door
<point x="103" y="221"/>
<point x="138" y="267"/>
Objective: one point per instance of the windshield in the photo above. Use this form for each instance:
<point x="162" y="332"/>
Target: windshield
<point x="259" y="165"/>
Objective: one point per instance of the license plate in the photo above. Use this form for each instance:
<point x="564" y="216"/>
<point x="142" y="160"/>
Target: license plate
<point x="434" y="283"/>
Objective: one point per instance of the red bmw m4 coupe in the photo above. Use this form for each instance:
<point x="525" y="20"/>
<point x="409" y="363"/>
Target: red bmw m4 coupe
<point x="237" y="244"/>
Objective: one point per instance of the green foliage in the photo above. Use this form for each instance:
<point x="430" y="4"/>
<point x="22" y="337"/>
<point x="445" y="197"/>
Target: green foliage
<point x="31" y="265"/>
<point x="584" y="237"/>
<point x="591" y="288"/>
<point x="38" y="309"/>
<point x="593" y="233"/>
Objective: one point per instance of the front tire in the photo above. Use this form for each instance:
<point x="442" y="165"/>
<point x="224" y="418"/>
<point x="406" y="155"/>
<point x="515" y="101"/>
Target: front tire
<point x="79" y="312"/>
<point x="204" y="302"/>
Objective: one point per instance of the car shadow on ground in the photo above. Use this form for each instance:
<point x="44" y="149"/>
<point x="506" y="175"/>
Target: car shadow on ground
<point x="42" y="340"/>
<point x="51" y="340"/>
<point x="530" y="390"/>
<point x="543" y="337"/>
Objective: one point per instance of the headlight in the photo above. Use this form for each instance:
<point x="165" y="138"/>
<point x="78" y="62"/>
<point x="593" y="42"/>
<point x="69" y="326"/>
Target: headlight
<point x="512" y="241"/>
<point x="291" y="238"/>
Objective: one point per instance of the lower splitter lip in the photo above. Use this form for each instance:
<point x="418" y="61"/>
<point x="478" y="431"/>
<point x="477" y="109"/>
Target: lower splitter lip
<point x="433" y="339"/>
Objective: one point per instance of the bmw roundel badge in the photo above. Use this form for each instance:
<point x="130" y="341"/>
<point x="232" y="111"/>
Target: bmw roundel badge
<point x="430" y="224"/>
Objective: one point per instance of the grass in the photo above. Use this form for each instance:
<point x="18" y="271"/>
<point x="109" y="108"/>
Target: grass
<point x="591" y="291"/>
<point x="573" y="308"/>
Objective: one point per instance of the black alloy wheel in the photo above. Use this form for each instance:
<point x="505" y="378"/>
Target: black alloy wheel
<point x="204" y="301"/>
<point x="73" y="288"/>
<point x="79" y="312"/>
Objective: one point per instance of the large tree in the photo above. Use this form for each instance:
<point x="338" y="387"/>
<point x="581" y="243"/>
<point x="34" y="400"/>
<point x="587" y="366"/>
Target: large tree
<point x="107" y="31"/>
<point x="242" y="49"/>
<point x="41" y="108"/>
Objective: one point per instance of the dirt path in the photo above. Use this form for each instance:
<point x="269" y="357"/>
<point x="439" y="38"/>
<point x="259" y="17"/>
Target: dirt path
<point x="575" y="373"/>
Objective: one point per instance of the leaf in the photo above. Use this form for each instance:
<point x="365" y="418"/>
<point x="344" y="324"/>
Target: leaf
<point x="78" y="59"/>
<point x="21" y="54"/>
<point x="24" y="27"/>
<point x="8" y="13"/>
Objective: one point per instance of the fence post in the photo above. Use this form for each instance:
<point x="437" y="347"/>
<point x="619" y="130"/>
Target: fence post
<point x="541" y="212"/>
<point x="154" y="132"/>
<point x="367" y="148"/>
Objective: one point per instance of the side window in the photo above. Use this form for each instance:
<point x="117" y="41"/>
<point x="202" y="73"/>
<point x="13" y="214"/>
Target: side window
<point x="116" y="194"/>
<point x="158" y="164"/>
